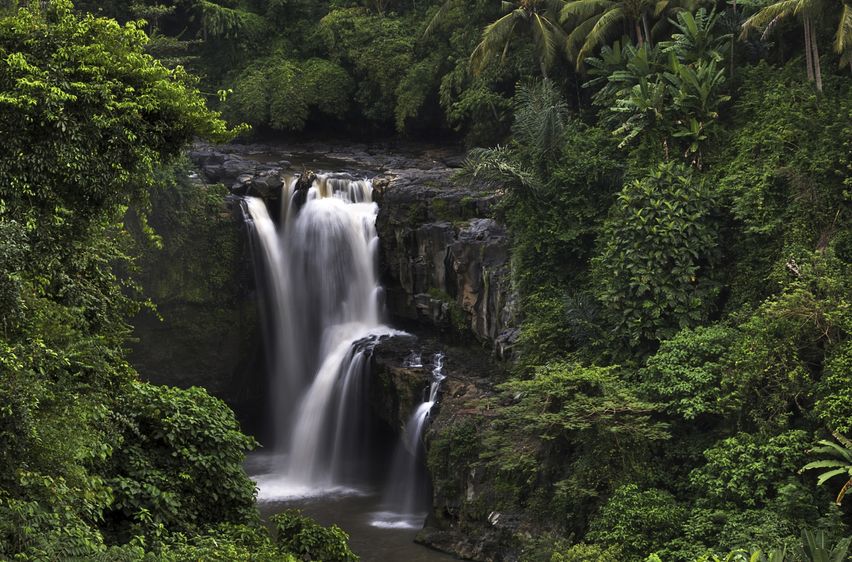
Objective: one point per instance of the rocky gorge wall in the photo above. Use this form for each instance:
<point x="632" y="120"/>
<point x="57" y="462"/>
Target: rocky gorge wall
<point x="445" y="261"/>
<point x="444" y="265"/>
<point x="204" y="331"/>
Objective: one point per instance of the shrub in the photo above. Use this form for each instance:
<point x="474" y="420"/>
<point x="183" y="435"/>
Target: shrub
<point x="654" y="275"/>
<point x="686" y="372"/>
<point x="834" y="405"/>
<point x="309" y="540"/>
<point x="640" y="521"/>
<point x="588" y="553"/>
<point x="224" y="543"/>
<point x="178" y="461"/>
<point x="748" y="470"/>
<point x="779" y="358"/>
<point x="564" y="437"/>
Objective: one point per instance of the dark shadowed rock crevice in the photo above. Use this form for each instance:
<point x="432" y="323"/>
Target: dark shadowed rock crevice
<point x="205" y="331"/>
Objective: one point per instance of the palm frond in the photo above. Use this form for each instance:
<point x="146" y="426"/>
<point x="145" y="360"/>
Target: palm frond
<point x="765" y="16"/>
<point x="580" y="10"/>
<point x="497" y="167"/>
<point x="578" y="36"/>
<point x="438" y="17"/>
<point x="495" y="37"/>
<point x="553" y="8"/>
<point x="540" y="116"/>
<point x="600" y="32"/>
<point x="548" y="37"/>
<point x="843" y="37"/>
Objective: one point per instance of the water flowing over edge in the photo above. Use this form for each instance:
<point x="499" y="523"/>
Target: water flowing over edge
<point x="323" y="300"/>
<point x="405" y="500"/>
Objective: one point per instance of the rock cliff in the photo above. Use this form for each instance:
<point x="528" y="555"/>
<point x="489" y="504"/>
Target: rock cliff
<point x="205" y="330"/>
<point x="445" y="262"/>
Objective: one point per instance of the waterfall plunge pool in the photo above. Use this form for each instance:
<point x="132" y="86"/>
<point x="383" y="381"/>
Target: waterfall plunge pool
<point x="374" y="534"/>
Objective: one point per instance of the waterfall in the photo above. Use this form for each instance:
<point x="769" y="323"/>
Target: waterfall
<point x="406" y="497"/>
<point x="323" y="303"/>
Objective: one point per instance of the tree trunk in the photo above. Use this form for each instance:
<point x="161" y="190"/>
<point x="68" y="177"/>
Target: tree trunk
<point x="817" y="69"/>
<point x="733" y="39"/>
<point x="639" y="39"/>
<point x="647" y="30"/>
<point x="808" y="52"/>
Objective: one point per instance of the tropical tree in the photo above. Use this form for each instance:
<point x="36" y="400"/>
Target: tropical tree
<point x="593" y="22"/>
<point x="695" y="37"/>
<point x="618" y="69"/>
<point x="670" y="103"/>
<point x="540" y="120"/>
<point x="843" y="38"/>
<point x="809" y="11"/>
<point x="538" y="18"/>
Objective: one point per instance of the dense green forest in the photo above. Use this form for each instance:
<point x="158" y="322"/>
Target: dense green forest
<point x="676" y="183"/>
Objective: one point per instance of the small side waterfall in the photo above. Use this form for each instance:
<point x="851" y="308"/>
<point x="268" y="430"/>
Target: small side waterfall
<point x="406" y="497"/>
<point x="323" y="307"/>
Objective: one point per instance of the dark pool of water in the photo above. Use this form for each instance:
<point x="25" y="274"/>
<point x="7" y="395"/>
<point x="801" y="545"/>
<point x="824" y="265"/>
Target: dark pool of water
<point x="374" y="534"/>
<point x="355" y="515"/>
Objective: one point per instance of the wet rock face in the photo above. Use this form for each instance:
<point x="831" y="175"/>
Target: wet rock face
<point x="464" y="519"/>
<point x="396" y="387"/>
<point x="445" y="263"/>
<point x="206" y="331"/>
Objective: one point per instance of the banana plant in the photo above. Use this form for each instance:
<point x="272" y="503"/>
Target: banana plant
<point x="696" y="38"/>
<point x="815" y="548"/>
<point x="839" y="463"/>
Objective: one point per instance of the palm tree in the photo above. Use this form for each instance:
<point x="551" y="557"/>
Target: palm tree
<point x="592" y="22"/>
<point x="539" y="18"/>
<point x="843" y="38"/>
<point x="809" y="10"/>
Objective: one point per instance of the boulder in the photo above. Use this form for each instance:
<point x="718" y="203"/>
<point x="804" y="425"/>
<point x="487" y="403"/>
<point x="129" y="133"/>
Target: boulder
<point x="242" y="184"/>
<point x="266" y="185"/>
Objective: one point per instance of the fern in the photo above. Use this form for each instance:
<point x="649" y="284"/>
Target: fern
<point x="540" y="117"/>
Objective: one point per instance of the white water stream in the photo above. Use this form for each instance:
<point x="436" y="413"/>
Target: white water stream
<point x="317" y="274"/>
<point x="405" y="500"/>
<point x="320" y="277"/>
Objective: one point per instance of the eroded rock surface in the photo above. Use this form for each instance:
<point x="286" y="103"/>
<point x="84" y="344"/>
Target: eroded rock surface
<point x="444" y="259"/>
<point x="445" y="262"/>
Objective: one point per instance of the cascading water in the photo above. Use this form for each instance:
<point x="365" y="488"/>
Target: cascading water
<point x="405" y="499"/>
<point x="320" y="265"/>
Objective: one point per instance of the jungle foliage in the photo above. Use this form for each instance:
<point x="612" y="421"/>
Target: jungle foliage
<point x="94" y="464"/>
<point x="676" y="181"/>
<point x="682" y="260"/>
